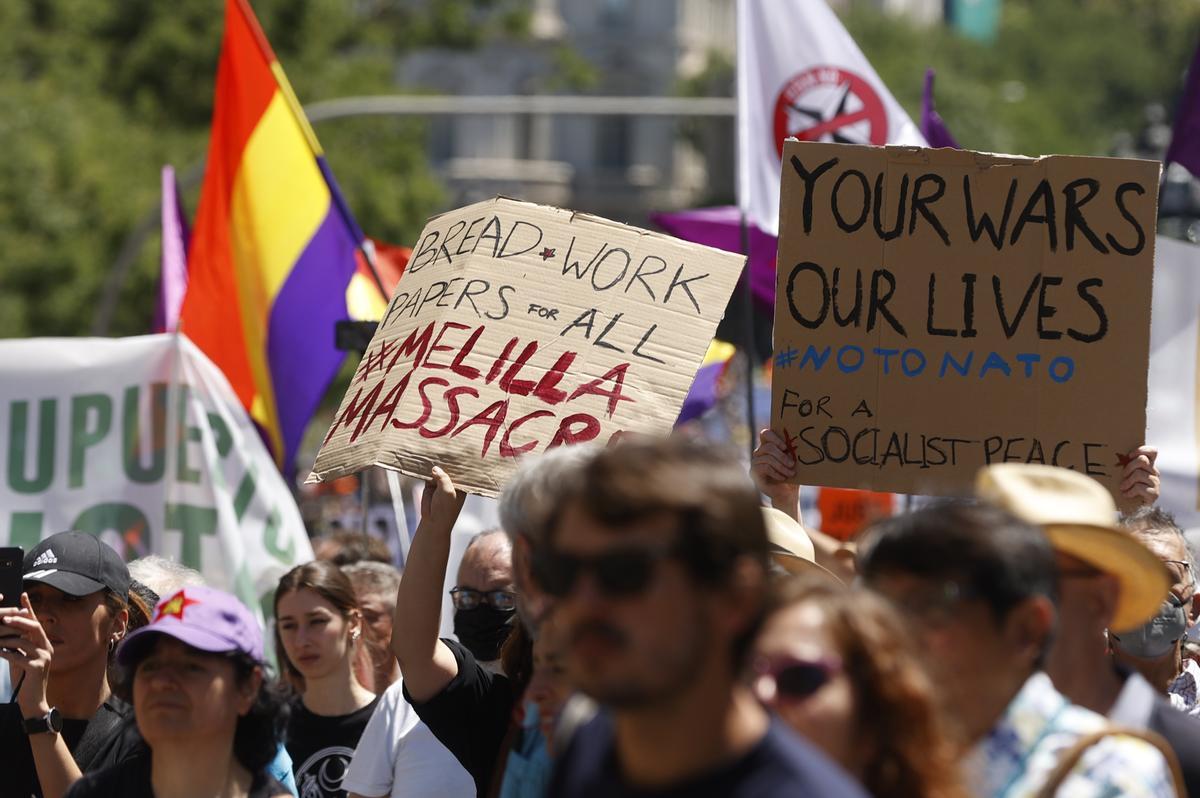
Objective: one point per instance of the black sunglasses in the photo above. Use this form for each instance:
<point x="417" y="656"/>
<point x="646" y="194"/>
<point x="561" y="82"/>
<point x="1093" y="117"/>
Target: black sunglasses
<point x="793" y="678"/>
<point x="466" y="598"/>
<point x="623" y="571"/>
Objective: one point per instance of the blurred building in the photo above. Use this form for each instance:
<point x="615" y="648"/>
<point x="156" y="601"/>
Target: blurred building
<point x="618" y="166"/>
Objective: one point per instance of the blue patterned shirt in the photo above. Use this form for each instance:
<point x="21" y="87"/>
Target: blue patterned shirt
<point x="1017" y="756"/>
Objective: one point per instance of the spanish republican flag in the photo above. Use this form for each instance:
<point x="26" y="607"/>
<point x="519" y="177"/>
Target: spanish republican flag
<point x="273" y="248"/>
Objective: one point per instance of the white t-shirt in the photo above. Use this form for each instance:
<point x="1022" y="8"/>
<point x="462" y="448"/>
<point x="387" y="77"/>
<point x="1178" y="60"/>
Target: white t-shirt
<point x="398" y="756"/>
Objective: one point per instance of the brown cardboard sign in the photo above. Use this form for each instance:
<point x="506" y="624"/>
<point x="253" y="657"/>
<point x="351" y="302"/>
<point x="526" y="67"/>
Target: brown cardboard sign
<point x="940" y="310"/>
<point x="519" y="327"/>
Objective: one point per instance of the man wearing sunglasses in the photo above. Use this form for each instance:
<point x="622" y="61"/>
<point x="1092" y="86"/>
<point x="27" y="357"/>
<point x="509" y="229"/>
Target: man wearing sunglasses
<point x="656" y="557"/>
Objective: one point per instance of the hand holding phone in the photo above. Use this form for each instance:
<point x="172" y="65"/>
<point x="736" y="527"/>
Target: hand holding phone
<point x="12" y="560"/>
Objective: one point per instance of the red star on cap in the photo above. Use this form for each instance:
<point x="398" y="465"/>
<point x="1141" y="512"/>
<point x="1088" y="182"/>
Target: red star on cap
<point x="174" y="607"/>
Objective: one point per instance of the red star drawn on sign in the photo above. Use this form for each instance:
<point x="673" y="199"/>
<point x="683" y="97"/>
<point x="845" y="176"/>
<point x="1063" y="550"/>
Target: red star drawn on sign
<point x="547" y="253"/>
<point x="1125" y="459"/>
<point x="174" y="607"/>
<point x="789" y="443"/>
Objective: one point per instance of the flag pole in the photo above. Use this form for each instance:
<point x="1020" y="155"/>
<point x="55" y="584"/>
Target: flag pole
<point x="748" y="329"/>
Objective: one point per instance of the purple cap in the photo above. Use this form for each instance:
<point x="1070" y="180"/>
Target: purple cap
<point x="204" y="618"/>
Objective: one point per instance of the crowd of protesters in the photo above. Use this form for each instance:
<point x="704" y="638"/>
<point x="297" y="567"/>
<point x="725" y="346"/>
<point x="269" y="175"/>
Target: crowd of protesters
<point x="640" y="626"/>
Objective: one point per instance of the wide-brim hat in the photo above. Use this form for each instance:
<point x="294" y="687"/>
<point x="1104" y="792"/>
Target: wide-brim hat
<point x="1078" y="516"/>
<point x="790" y="546"/>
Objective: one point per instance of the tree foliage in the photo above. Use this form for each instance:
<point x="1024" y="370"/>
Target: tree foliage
<point x="96" y="95"/>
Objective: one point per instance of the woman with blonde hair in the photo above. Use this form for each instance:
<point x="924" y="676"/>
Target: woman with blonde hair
<point x="836" y="665"/>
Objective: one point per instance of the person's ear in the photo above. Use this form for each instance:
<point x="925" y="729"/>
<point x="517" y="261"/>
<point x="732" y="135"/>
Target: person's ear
<point x="1105" y="598"/>
<point x="119" y="626"/>
<point x="248" y="691"/>
<point x="741" y="600"/>
<point x="1028" y="627"/>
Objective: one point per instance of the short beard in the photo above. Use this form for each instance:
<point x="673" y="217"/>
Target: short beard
<point x="675" y="671"/>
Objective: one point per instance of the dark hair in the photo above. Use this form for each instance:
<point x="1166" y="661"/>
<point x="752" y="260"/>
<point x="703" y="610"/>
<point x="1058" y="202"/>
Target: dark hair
<point x="355" y="547"/>
<point x="1002" y="559"/>
<point x="516" y="658"/>
<point x="258" y="733"/>
<point x="325" y="579"/>
<point x="910" y="753"/>
<point x="135" y="604"/>
<point x="702" y="484"/>
<point x="140" y="605"/>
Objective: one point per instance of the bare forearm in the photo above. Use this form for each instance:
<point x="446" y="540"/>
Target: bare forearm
<point x="56" y="768"/>
<point x="418" y="611"/>
<point x="419" y="597"/>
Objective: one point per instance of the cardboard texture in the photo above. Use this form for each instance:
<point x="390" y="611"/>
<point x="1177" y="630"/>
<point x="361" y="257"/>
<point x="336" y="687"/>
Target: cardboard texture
<point x="938" y="310"/>
<point x="518" y="327"/>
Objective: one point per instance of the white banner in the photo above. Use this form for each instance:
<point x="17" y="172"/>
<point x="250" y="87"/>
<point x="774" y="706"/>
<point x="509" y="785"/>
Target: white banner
<point x="142" y="442"/>
<point x="801" y="74"/>
<point x="1172" y="407"/>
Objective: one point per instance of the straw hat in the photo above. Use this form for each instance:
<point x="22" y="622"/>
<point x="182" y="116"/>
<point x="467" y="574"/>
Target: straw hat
<point x="1079" y="517"/>
<point x="791" y="548"/>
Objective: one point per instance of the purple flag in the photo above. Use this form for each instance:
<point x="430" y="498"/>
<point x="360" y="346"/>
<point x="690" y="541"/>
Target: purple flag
<point x="1185" y="139"/>
<point x="173" y="279"/>
<point x="721" y="228"/>
<point x="932" y="127"/>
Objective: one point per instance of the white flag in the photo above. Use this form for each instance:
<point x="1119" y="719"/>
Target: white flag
<point x="143" y="443"/>
<point x="1171" y="412"/>
<point x="800" y="74"/>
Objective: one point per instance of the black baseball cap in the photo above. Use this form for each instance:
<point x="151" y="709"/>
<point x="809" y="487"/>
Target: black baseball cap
<point x="78" y="564"/>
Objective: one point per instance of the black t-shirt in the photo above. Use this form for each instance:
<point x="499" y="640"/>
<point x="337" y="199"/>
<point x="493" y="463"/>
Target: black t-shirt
<point x="470" y="716"/>
<point x="131" y="779"/>
<point x="321" y="748"/>
<point x="109" y="742"/>
<point x="780" y="765"/>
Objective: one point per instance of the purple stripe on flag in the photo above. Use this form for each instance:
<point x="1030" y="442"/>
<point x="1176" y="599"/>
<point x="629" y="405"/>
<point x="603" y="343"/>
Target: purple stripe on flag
<point x="932" y="127"/>
<point x="300" y="340"/>
<point x="173" y="275"/>
<point x="1185" y="139"/>
<point x="721" y="228"/>
<point x="703" y="393"/>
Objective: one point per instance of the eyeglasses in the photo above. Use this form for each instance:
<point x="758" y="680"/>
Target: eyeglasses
<point x="1181" y="574"/>
<point x="793" y="678"/>
<point x="623" y="571"/>
<point x="466" y="598"/>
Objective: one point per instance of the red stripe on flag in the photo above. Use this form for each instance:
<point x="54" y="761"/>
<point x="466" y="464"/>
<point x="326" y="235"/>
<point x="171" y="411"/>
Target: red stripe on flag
<point x="211" y="316"/>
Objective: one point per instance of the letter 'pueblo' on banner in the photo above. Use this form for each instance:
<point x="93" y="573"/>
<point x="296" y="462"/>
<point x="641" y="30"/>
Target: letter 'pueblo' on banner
<point x="519" y="327"/>
<point x="940" y="310"/>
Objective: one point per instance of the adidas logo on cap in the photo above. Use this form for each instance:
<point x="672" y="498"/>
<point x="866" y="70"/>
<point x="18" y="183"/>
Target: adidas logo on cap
<point x="45" y="558"/>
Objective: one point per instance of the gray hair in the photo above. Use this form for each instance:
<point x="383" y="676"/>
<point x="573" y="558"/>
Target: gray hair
<point x="1156" y="522"/>
<point x="163" y="575"/>
<point x="374" y="579"/>
<point x="532" y="494"/>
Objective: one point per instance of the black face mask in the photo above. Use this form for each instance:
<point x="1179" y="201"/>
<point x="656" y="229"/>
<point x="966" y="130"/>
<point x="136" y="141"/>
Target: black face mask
<point x="483" y="630"/>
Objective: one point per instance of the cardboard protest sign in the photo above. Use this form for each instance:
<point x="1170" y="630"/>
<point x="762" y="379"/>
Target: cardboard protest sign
<point x="939" y="310"/>
<point x="518" y="327"/>
<point x="845" y="512"/>
<point x="142" y="442"/>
